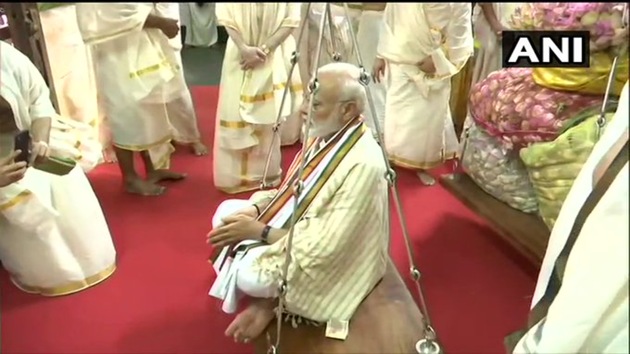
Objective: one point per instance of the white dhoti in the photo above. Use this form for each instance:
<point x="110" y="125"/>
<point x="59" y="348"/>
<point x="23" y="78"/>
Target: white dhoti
<point x="371" y="23"/>
<point x="55" y="240"/>
<point x="71" y="65"/>
<point x="419" y="132"/>
<point x="236" y="277"/>
<point x="75" y="140"/>
<point x="181" y="109"/>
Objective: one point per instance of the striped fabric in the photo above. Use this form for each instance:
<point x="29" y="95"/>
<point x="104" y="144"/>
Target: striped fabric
<point x="339" y="250"/>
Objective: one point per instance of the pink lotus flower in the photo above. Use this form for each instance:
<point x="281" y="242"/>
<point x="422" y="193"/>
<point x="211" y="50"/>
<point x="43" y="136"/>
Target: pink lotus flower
<point x="602" y="20"/>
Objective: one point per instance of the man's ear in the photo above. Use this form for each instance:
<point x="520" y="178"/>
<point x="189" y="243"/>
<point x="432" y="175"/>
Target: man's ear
<point x="350" y="110"/>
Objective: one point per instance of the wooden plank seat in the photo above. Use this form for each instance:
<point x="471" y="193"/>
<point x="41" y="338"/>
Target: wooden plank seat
<point x="388" y="321"/>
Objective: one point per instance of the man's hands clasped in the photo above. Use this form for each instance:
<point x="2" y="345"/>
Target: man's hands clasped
<point x="252" y="57"/>
<point x="236" y="228"/>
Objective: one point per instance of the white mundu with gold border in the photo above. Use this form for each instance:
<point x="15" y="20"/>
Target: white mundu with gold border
<point x="250" y="101"/>
<point x="181" y="111"/>
<point x="419" y="132"/>
<point x="137" y="74"/>
<point x="54" y="239"/>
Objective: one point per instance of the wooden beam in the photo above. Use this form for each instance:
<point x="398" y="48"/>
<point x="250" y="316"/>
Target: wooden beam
<point x="525" y="232"/>
<point x="27" y="36"/>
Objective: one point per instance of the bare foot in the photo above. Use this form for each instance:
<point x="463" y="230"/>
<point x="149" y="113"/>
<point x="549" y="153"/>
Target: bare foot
<point x="164" y="175"/>
<point x="199" y="149"/>
<point x="144" y="188"/>
<point x="250" y="323"/>
<point x="426" y="178"/>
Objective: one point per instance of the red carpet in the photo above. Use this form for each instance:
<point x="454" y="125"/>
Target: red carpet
<point x="156" y="302"/>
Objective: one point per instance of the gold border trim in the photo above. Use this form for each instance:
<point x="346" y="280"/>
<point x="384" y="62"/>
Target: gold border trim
<point x="413" y="165"/>
<point x="18" y="199"/>
<point x="70" y="288"/>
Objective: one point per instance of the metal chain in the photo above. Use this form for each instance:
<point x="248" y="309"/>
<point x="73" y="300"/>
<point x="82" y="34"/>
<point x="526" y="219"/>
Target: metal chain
<point x="428" y="344"/>
<point x="313" y="86"/>
<point x="623" y="50"/>
<point x="295" y="57"/>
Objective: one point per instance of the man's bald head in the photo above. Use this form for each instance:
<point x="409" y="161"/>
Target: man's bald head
<point x="339" y="98"/>
<point x="341" y="81"/>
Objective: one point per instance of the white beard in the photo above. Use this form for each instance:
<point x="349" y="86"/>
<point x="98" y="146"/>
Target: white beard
<point x="320" y="131"/>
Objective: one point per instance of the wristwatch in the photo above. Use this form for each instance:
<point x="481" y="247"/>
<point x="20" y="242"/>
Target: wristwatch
<point x="265" y="234"/>
<point x="265" y="49"/>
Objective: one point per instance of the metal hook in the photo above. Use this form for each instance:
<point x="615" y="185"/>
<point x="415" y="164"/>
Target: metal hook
<point x="272" y="349"/>
<point x="390" y="176"/>
<point x="295" y="56"/>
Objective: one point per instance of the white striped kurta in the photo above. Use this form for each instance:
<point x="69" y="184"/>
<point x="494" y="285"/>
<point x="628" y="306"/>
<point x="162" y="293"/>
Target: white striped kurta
<point x="340" y="246"/>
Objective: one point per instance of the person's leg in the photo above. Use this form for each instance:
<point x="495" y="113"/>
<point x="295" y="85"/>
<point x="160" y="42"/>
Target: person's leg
<point x="158" y="175"/>
<point x="183" y="30"/>
<point x="263" y="292"/>
<point x="133" y="183"/>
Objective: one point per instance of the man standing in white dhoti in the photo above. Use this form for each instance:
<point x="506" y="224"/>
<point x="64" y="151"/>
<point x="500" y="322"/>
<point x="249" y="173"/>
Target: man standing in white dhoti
<point x="490" y="19"/>
<point x="53" y="236"/>
<point x="199" y="24"/>
<point x="580" y="304"/>
<point x="181" y="112"/>
<point x="253" y="79"/>
<point x="137" y="74"/>
<point x="423" y="45"/>
<point x="341" y="236"/>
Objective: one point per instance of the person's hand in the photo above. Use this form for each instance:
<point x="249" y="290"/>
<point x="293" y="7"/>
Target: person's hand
<point x="11" y="171"/>
<point x="427" y="66"/>
<point x="236" y="228"/>
<point x="249" y="211"/>
<point x="169" y="27"/>
<point x="40" y="152"/>
<point x="498" y="32"/>
<point x="252" y="57"/>
<point x="378" y="70"/>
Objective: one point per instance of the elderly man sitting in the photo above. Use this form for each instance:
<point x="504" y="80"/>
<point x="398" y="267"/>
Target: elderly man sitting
<point x="339" y="251"/>
<point x="53" y="237"/>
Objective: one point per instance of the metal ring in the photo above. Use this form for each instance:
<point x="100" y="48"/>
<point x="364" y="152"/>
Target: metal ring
<point x="313" y="85"/>
<point x="282" y="289"/>
<point x="364" y="77"/>
<point x="425" y="346"/>
<point x="390" y="176"/>
<point x="415" y="273"/>
<point x="297" y="187"/>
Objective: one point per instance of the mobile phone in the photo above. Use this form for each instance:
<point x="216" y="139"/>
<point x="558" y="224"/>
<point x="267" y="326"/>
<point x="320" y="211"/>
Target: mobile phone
<point x="22" y="142"/>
